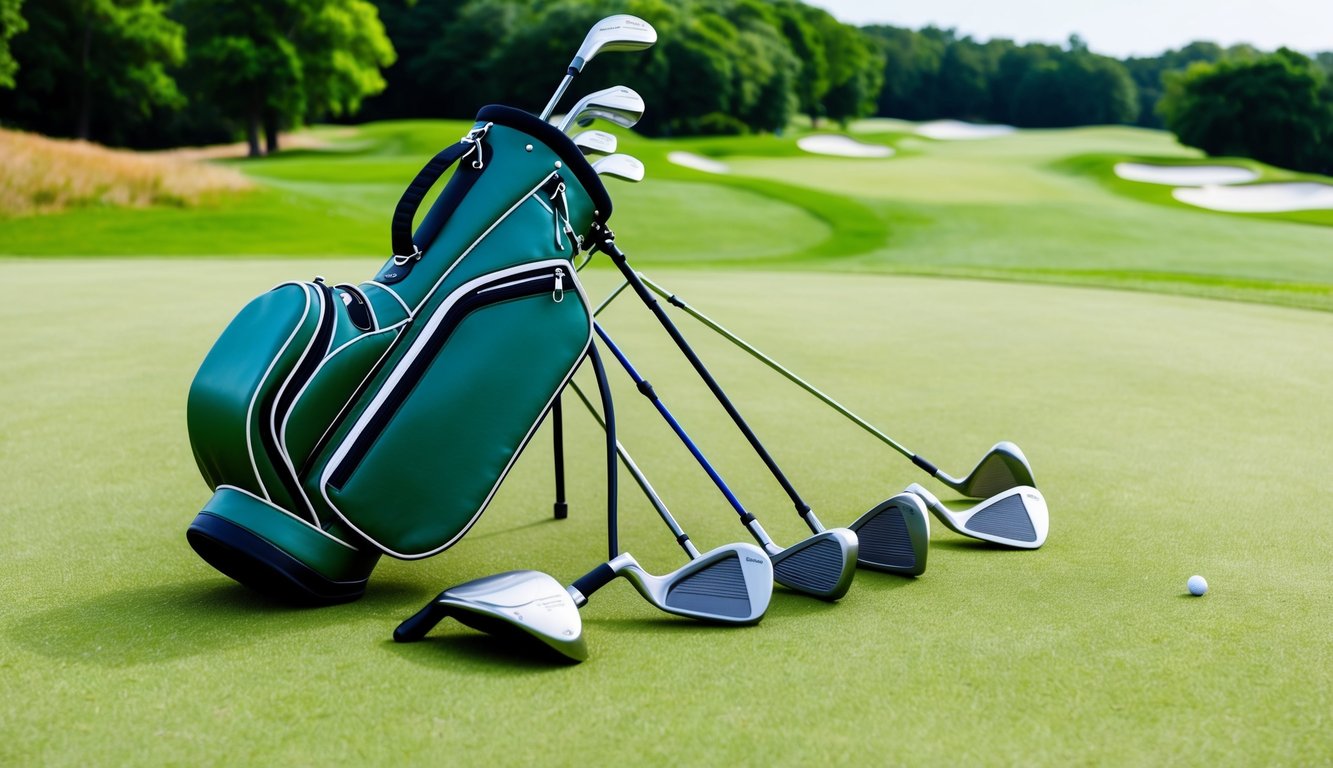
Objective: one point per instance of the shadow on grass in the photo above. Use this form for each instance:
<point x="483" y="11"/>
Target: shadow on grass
<point x="150" y="625"/>
<point x="461" y="650"/>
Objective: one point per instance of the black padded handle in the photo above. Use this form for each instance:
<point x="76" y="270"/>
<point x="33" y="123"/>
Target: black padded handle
<point x="401" y="228"/>
<point x="595" y="579"/>
<point x="421" y="622"/>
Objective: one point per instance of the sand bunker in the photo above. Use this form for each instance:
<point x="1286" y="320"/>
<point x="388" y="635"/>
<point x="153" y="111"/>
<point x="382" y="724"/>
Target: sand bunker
<point x="955" y="130"/>
<point x="1260" y="198"/>
<point x="1184" y="175"/>
<point x="843" y="146"/>
<point x="698" y="162"/>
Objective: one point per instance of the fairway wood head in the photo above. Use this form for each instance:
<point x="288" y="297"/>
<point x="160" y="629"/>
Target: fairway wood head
<point x="1003" y="467"/>
<point x="1017" y="517"/>
<point x="894" y="536"/>
<point x="621" y="32"/>
<point x="528" y="606"/>
<point x="619" y="105"/>
<point x="731" y="584"/>
<point x="822" y="565"/>
<point x="595" y="142"/>
<point x="620" y="166"/>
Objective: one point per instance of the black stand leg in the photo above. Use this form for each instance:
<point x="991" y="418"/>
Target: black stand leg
<point x="558" y="433"/>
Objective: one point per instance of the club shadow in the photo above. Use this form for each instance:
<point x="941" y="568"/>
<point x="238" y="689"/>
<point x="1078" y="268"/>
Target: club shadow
<point x="469" y="652"/>
<point x="964" y="544"/>
<point x="149" y="625"/>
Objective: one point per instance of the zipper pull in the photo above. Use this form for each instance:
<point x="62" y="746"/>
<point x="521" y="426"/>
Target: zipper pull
<point x="559" y="193"/>
<point x="558" y="295"/>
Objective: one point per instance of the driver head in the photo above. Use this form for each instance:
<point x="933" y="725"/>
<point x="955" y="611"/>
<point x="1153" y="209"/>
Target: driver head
<point x="731" y="584"/>
<point x="894" y="536"/>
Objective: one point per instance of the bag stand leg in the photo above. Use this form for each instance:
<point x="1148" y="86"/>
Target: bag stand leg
<point x="558" y="437"/>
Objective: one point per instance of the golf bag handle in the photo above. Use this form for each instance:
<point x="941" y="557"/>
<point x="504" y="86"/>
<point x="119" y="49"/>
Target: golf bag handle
<point x="401" y="227"/>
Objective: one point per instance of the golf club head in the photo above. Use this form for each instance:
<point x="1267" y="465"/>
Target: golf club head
<point x="595" y="142"/>
<point x="619" y="104"/>
<point x="529" y="606"/>
<point x="894" y="536"/>
<point x="620" y="166"/>
<point x="621" y="32"/>
<point x="822" y="565"/>
<point x="731" y="584"/>
<point x="1003" y="467"/>
<point x="1016" y="517"/>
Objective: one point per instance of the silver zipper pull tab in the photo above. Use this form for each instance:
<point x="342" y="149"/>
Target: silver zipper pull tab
<point x="555" y="214"/>
<point x="558" y="295"/>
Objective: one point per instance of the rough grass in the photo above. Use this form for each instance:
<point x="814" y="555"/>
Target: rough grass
<point x="42" y="175"/>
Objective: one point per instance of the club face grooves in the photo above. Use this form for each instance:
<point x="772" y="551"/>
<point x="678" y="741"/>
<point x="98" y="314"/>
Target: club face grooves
<point x="822" y="565"/>
<point x="894" y="536"/>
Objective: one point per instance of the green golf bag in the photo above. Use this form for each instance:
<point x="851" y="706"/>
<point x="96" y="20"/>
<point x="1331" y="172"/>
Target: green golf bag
<point x="338" y="423"/>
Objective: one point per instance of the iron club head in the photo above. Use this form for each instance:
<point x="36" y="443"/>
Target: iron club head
<point x="619" y="104"/>
<point x="529" y="606"/>
<point x="595" y="142"/>
<point x="894" y="536"/>
<point x="822" y="565"/>
<point x="1016" y="517"/>
<point x="1003" y="467"/>
<point x="618" y="33"/>
<point x="620" y="166"/>
<point x="731" y="584"/>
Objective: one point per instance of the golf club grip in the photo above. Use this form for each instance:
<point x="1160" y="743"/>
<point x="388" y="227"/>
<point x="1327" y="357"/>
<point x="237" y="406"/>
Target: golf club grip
<point x="418" y="624"/>
<point x="595" y="579"/>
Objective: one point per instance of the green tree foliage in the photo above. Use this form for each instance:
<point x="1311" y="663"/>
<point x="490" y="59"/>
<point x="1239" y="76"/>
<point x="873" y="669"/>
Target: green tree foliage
<point x="1148" y="72"/>
<point x="92" y="68"/>
<point x="1272" y="108"/>
<point x="11" y="23"/>
<point x="269" y="63"/>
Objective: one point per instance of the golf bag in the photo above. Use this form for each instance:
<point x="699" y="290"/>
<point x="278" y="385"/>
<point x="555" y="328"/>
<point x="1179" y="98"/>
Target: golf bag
<point x="338" y="423"/>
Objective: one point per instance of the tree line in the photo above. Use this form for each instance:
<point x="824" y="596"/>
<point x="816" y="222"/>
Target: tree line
<point x="169" y="72"/>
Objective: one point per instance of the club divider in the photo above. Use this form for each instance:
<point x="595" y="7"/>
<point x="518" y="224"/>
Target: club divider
<point x="682" y="538"/>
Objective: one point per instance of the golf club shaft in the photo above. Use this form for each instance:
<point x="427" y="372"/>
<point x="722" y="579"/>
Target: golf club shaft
<point x="559" y="91"/>
<point x="682" y="538"/>
<point x="646" y="389"/>
<point x="676" y="301"/>
<point x="608" y="245"/>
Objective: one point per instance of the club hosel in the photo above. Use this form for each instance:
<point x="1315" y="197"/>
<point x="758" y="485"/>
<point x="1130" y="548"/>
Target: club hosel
<point x="418" y="624"/>
<point x="926" y="496"/>
<point x="761" y="536"/>
<point x="809" y="515"/>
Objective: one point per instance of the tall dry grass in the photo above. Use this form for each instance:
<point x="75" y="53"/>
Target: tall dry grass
<point x="41" y="175"/>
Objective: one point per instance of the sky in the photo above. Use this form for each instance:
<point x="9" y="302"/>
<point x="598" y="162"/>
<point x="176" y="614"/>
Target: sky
<point x="1113" y="27"/>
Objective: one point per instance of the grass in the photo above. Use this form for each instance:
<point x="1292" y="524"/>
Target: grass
<point x="1170" y="435"/>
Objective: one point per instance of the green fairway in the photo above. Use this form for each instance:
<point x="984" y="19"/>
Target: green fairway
<point x="1171" y="437"/>
<point x="1171" y="433"/>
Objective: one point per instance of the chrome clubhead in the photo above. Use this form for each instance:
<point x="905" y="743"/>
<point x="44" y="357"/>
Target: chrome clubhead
<point x="894" y="536"/>
<point x="731" y="584"/>
<point x="822" y="565"/>
<point x="620" y="166"/>
<point x="619" y="104"/>
<point x="1002" y="468"/>
<point x="621" y="32"/>
<point x="595" y="142"/>
<point x="529" y="606"/>
<point x="1017" y="517"/>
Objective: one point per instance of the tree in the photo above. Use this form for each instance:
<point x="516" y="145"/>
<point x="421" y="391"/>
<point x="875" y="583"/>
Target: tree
<point x="93" y="67"/>
<point x="1271" y="108"/>
<point x="270" y="63"/>
<point x="1148" y="72"/>
<point x="855" y="68"/>
<point x="11" y="23"/>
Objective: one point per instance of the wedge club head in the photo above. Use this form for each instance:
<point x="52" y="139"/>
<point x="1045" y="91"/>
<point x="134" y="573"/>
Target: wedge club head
<point x="730" y="585"/>
<point x="620" y="166"/>
<point x="595" y="142"/>
<point x="822" y="565"/>
<point x="1016" y="517"/>
<point x="619" y="105"/>
<point x="1003" y="467"/>
<point x="529" y="606"/>
<point x="894" y="536"/>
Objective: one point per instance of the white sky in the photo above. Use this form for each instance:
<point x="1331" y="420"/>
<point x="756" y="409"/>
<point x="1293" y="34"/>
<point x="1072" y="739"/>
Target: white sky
<point x="1113" y="27"/>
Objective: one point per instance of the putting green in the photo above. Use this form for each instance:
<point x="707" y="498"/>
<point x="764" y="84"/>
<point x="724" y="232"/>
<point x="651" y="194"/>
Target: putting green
<point x="1171" y="436"/>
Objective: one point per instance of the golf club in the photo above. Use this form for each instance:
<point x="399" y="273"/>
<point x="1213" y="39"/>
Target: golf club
<point x="620" y="166"/>
<point x="821" y="565"/>
<point x="619" y="105"/>
<point x="595" y="142"/>
<point x="1016" y="517"/>
<point x="907" y="534"/>
<point x="1002" y="467"/>
<point x="621" y="32"/>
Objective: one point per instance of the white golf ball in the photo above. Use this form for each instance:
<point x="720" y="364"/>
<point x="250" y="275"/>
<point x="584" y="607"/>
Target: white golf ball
<point x="1198" y="586"/>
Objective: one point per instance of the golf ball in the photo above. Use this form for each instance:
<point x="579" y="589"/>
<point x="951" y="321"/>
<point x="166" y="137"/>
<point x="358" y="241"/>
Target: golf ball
<point x="1198" y="586"/>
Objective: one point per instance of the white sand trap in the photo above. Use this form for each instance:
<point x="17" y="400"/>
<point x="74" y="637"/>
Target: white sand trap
<point x="1184" y="175"/>
<point x="698" y="162"/>
<point x="843" y="146"/>
<point x="956" y="130"/>
<point x="1259" y="198"/>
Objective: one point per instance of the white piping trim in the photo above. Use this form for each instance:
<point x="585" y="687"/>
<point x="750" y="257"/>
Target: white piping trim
<point x="279" y="434"/>
<point x="405" y="360"/>
<point x="392" y="293"/>
<point x="306" y="523"/>
<point x="249" y="410"/>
